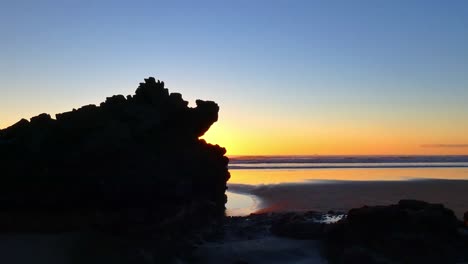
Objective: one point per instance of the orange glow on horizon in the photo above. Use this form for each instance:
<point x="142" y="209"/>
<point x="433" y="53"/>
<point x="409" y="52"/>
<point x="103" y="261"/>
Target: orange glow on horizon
<point x="332" y="140"/>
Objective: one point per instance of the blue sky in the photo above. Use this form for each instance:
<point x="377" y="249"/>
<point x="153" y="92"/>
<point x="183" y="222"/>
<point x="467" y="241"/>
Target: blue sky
<point x="306" y="65"/>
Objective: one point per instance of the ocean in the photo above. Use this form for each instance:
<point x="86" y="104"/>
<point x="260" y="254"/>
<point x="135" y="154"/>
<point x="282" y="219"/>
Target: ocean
<point x="259" y="181"/>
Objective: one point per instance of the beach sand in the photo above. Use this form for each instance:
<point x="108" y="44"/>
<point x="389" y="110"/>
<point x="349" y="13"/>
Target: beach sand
<point x="265" y="250"/>
<point x="343" y="195"/>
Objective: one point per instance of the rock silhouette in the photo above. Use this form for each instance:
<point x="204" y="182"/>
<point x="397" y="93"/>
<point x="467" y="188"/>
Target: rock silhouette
<point x="408" y="232"/>
<point x="129" y="160"/>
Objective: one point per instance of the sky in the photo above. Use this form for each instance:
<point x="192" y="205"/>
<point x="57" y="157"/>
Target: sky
<point x="291" y="77"/>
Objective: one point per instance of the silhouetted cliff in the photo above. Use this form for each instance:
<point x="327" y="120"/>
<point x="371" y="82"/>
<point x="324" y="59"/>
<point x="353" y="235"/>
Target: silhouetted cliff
<point x="139" y="157"/>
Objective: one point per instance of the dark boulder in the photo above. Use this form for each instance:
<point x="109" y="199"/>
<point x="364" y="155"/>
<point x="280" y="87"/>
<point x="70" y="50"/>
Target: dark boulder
<point x="415" y="205"/>
<point x="407" y="215"/>
<point x="465" y="218"/>
<point x="407" y="232"/>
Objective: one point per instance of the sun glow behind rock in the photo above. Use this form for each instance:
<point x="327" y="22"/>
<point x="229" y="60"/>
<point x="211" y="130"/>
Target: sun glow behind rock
<point x="258" y="137"/>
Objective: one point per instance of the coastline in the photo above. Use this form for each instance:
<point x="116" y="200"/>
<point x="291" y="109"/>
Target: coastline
<point x="341" y="196"/>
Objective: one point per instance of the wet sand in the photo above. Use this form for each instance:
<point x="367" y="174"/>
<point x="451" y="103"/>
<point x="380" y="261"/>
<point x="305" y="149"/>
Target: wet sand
<point x="344" y="195"/>
<point x="265" y="250"/>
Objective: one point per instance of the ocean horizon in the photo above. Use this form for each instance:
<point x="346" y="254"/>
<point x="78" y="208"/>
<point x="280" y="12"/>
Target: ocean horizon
<point x="347" y="161"/>
<point x="260" y="183"/>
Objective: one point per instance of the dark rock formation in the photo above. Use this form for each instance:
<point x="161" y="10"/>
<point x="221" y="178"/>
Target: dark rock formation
<point x="407" y="232"/>
<point x="131" y="160"/>
<point x="465" y="218"/>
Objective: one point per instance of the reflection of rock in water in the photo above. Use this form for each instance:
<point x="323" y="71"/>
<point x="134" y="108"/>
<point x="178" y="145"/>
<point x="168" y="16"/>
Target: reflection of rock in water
<point x="132" y="159"/>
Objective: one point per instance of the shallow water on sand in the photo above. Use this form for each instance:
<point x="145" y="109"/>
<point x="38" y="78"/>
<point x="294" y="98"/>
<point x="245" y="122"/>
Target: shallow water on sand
<point x="246" y="182"/>
<point x="240" y="204"/>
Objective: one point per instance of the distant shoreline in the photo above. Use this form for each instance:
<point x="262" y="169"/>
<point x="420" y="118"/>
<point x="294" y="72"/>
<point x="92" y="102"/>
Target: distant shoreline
<point x="455" y="165"/>
<point x="346" y="162"/>
<point x="341" y="196"/>
<point x="346" y="158"/>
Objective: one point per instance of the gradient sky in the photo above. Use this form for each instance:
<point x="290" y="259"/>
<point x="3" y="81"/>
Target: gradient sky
<point x="291" y="77"/>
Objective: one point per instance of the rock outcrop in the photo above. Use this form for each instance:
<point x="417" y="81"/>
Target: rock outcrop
<point x="130" y="160"/>
<point x="408" y="232"/>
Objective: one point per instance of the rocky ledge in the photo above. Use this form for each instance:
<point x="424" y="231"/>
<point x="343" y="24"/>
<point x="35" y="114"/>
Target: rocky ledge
<point x="133" y="164"/>
<point x="408" y="232"/>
